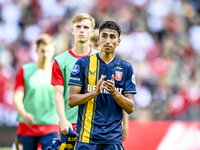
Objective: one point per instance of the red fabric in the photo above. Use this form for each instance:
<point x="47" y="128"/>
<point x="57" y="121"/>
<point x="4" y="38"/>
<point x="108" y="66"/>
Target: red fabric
<point x="159" y="135"/>
<point x="79" y="56"/>
<point x="19" y="83"/>
<point x="57" y="77"/>
<point x="36" y="130"/>
<point x="151" y="132"/>
<point x="73" y="125"/>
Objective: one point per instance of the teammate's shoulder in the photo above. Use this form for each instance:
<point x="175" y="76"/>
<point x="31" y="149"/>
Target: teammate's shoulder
<point x="62" y="58"/>
<point x="64" y="54"/>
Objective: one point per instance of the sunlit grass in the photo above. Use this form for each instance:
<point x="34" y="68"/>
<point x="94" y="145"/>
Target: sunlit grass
<point x="6" y="148"/>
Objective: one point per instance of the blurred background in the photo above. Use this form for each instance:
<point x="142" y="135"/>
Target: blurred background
<point x="161" y="38"/>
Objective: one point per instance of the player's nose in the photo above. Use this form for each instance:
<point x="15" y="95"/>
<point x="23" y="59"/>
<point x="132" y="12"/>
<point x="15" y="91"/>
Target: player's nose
<point x="82" y="29"/>
<point x="108" y="40"/>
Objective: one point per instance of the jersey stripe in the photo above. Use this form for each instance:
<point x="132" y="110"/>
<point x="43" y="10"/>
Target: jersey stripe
<point x="95" y="99"/>
<point x="90" y="104"/>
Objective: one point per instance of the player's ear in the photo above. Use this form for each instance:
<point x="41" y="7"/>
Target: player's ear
<point x="118" y="41"/>
<point x="37" y="48"/>
<point x="72" y="29"/>
<point x="98" y="39"/>
<point x="92" y="32"/>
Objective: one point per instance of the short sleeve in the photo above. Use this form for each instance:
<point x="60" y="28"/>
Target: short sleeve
<point x="57" y="77"/>
<point x="76" y="77"/>
<point x="130" y="85"/>
<point x="19" y="82"/>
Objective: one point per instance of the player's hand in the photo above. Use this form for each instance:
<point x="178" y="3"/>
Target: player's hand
<point x="65" y="125"/>
<point x="109" y="85"/>
<point x="99" y="86"/>
<point x="124" y="133"/>
<point x="28" y="118"/>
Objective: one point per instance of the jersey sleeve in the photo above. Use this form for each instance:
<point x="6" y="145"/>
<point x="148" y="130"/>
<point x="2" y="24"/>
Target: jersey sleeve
<point x="57" y="77"/>
<point x="130" y="85"/>
<point x="76" y="77"/>
<point x="19" y="82"/>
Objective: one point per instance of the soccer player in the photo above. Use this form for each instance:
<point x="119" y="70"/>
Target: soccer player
<point x="102" y="85"/>
<point x="34" y="99"/>
<point x="83" y="28"/>
<point x="95" y="45"/>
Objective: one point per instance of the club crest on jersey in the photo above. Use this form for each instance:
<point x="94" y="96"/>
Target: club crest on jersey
<point x="118" y="75"/>
<point x="75" y="69"/>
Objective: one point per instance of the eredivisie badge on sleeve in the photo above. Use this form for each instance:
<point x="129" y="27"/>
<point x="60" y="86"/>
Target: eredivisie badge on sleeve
<point x="118" y="75"/>
<point x="75" y="69"/>
<point x="133" y="79"/>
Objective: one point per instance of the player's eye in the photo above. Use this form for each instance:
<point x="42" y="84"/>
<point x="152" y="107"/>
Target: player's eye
<point x="112" y="37"/>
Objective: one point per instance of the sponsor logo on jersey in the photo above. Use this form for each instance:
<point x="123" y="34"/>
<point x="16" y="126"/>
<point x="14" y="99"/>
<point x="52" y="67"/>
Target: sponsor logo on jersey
<point x="93" y="87"/>
<point x="118" y="75"/>
<point x="75" y="69"/>
<point x="106" y="92"/>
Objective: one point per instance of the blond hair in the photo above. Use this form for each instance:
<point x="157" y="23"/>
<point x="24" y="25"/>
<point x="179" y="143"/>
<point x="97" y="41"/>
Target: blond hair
<point x="95" y="35"/>
<point x="44" y="39"/>
<point x="83" y="16"/>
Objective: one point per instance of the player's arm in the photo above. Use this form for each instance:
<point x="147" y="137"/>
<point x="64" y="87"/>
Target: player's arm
<point x="19" y="106"/>
<point x="125" y="125"/>
<point x="75" y="98"/>
<point x="125" y="101"/>
<point x="60" y="109"/>
<point x="18" y="99"/>
<point x="58" y="82"/>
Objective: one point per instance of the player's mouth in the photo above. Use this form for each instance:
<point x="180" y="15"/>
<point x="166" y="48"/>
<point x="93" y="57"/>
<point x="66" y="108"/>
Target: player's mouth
<point x="107" y="46"/>
<point x="81" y="36"/>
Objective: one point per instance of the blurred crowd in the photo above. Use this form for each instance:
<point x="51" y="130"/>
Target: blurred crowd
<point x="161" y="38"/>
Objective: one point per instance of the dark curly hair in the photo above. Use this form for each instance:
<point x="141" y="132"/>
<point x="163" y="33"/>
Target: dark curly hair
<point x="110" y="25"/>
